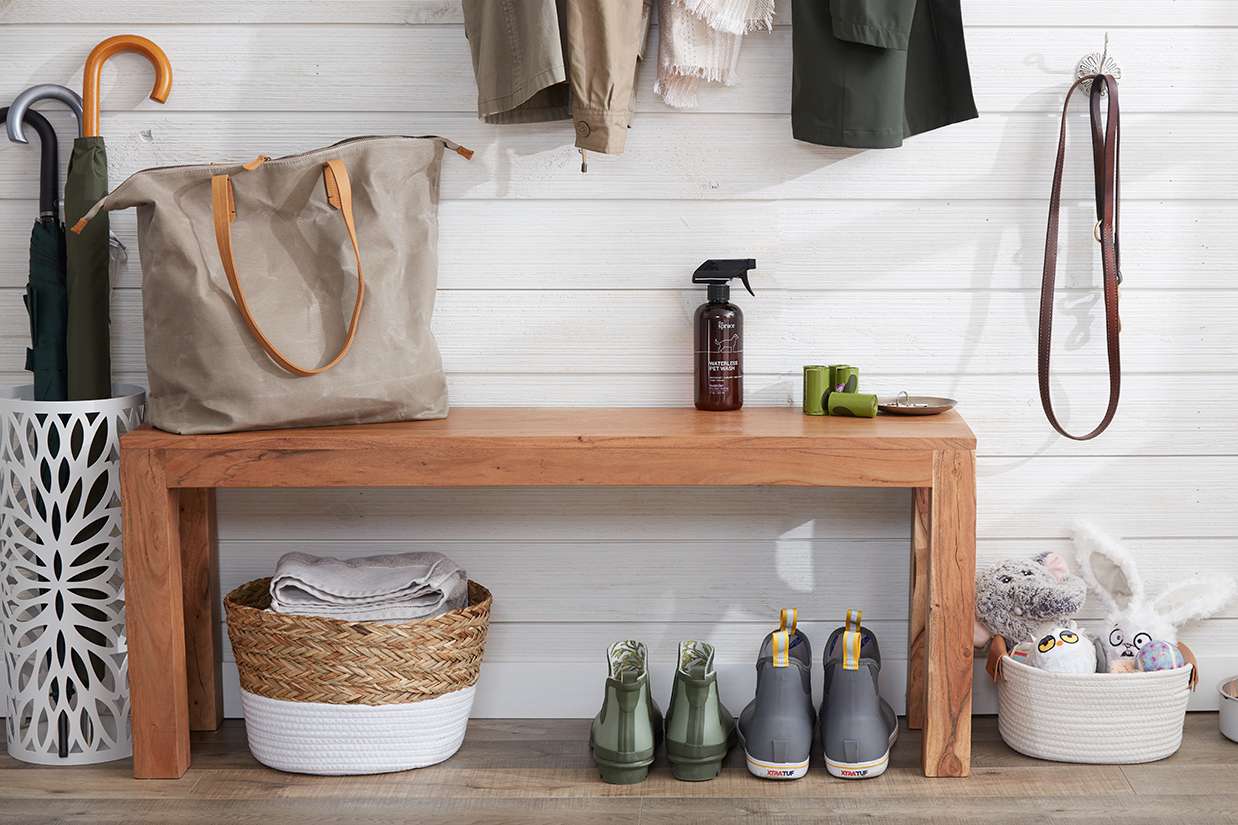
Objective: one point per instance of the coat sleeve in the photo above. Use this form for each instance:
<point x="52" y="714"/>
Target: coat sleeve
<point x="605" y="40"/>
<point x="885" y="24"/>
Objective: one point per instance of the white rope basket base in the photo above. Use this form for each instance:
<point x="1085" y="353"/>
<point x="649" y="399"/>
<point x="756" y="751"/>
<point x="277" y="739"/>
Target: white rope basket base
<point x="1097" y="718"/>
<point x="343" y="740"/>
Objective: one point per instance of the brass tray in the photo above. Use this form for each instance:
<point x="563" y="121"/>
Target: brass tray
<point x="905" y="404"/>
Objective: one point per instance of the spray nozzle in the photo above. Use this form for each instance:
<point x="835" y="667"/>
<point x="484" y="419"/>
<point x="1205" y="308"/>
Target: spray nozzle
<point x="718" y="272"/>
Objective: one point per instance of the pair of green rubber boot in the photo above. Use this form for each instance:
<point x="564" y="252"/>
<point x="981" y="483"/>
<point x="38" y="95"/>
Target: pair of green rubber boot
<point x="699" y="731"/>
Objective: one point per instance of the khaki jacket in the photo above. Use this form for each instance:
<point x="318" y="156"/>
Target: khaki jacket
<point x="540" y="60"/>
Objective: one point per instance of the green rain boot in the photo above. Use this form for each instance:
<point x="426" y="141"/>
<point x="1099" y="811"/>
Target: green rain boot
<point x="699" y="729"/>
<point x="628" y="729"/>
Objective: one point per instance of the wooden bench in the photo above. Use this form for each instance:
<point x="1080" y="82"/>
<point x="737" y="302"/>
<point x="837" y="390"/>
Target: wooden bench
<point x="171" y="577"/>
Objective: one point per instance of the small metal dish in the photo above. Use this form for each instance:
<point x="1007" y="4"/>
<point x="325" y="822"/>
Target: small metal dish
<point x="905" y="404"/>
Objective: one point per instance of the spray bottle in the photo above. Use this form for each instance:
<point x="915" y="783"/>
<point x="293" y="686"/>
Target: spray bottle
<point x="719" y="336"/>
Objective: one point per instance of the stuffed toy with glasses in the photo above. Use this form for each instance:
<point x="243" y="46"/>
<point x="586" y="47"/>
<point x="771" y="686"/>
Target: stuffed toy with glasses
<point x="1133" y="618"/>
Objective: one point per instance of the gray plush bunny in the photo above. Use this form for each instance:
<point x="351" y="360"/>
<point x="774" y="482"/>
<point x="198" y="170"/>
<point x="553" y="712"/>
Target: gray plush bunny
<point x="1016" y="598"/>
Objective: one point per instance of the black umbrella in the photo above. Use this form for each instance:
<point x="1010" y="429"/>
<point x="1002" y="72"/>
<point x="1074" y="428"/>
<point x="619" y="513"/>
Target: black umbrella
<point x="46" y="298"/>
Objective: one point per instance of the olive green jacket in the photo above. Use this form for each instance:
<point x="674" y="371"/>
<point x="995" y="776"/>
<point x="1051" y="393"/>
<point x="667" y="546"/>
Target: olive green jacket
<point x="868" y="73"/>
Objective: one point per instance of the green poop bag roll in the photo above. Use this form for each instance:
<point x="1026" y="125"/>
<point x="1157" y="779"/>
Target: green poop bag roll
<point x="853" y="404"/>
<point x="816" y="386"/>
<point x="844" y="378"/>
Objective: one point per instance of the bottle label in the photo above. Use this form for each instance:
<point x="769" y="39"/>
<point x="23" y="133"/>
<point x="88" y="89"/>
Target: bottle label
<point x="723" y="359"/>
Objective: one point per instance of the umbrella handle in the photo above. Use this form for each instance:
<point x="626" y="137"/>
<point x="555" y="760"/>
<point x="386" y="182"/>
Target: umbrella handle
<point x="43" y="91"/>
<point x="49" y="165"/>
<point x="100" y="54"/>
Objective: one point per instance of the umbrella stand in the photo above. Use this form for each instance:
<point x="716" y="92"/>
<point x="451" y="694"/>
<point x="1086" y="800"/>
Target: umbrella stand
<point x="45" y="296"/>
<point x="89" y="344"/>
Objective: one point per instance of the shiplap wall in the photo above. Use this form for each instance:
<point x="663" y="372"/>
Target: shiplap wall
<point x="919" y="264"/>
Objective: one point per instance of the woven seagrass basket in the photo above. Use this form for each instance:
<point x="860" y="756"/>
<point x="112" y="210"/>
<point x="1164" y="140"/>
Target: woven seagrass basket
<point x="336" y="697"/>
<point x="1099" y="718"/>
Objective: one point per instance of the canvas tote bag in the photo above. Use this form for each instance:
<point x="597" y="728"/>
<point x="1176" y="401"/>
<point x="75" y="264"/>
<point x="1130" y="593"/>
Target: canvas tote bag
<point x="292" y="292"/>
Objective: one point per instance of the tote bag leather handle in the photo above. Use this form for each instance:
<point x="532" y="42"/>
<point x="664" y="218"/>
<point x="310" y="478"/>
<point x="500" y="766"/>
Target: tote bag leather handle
<point x="223" y="211"/>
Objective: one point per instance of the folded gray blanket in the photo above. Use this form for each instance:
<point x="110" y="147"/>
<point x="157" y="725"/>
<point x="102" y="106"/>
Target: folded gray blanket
<point x="392" y="588"/>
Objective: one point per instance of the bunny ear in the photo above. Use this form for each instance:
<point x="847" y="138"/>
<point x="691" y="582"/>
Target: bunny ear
<point x="1196" y="598"/>
<point x="1107" y="567"/>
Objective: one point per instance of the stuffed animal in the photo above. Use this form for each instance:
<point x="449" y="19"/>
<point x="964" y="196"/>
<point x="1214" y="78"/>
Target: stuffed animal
<point x="1158" y="654"/>
<point x="1021" y="599"/>
<point x="1063" y="650"/>
<point x="1133" y="619"/>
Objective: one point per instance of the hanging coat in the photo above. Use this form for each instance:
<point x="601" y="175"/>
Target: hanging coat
<point x="868" y="73"/>
<point x="539" y="60"/>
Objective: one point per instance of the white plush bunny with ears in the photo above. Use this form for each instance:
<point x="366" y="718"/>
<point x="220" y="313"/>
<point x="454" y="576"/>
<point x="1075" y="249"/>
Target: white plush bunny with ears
<point x="1134" y="619"/>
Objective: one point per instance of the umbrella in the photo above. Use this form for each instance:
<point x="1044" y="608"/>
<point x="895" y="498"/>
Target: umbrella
<point x="90" y="363"/>
<point x="45" y="297"/>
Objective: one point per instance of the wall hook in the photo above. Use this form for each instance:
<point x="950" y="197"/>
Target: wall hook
<point x="1097" y="63"/>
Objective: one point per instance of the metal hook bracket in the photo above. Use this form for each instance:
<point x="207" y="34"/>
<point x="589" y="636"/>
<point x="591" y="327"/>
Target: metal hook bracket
<point x="1097" y="63"/>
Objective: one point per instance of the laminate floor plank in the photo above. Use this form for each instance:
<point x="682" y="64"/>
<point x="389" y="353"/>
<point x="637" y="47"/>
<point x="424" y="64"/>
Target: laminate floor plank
<point x="516" y="771"/>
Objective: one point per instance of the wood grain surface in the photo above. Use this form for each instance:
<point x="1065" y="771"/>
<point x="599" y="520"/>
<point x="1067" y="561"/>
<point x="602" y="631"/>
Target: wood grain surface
<point x="918" y="606"/>
<point x="155" y="618"/>
<point x="538" y="771"/>
<point x="951" y="613"/>
<point x="554" y="447"/>
<point x="203" y="612"/>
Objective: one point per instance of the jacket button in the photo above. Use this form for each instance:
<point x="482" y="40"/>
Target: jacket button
<point x="582" y="128"/>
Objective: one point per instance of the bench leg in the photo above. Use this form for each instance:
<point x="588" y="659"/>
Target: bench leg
<point x="917" y="640"/>
<point x="200" y="581"/>
<point x="952" y="608"/>
<point x="154" y="618"/>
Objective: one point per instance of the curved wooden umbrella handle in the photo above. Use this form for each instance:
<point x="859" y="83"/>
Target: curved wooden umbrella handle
<point x="100" y="54"/>
<point x="43" y="91"/>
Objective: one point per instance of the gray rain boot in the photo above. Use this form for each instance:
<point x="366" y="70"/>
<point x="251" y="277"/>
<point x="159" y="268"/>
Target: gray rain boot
<point x="628" y="728"/>
<point x="858" y="727"/>
<point x="776" y="728"/>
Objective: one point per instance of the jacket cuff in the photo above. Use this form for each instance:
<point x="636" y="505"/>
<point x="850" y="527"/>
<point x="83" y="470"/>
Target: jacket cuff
<point x="599" y="131"/>
<point x="885" y="24"/>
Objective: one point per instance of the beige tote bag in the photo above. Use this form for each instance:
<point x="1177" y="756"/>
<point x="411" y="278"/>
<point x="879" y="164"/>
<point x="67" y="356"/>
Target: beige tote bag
<point x="292" y="292"/>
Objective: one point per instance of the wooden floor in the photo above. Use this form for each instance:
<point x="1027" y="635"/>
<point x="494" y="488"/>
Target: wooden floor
<point x="533" y="771"/>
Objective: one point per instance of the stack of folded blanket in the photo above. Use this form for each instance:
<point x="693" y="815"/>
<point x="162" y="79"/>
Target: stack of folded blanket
<point x="391" y="588"/>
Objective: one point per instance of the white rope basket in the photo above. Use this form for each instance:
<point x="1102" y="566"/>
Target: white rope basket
<point x="1097" y="718"/>
<point x="349" y="740"/>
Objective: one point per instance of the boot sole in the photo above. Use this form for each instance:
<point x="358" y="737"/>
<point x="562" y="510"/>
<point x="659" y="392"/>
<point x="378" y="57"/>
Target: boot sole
<point x="621" y="773"/>
<point x="696" y="771"/>
<point x="617" y="775"/>
<point x="863" y="770"/>
<point x="775" y="770"/>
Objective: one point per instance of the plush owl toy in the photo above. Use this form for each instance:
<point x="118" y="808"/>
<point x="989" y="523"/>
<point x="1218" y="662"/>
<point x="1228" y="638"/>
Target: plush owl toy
<point x="1063" y="650"/>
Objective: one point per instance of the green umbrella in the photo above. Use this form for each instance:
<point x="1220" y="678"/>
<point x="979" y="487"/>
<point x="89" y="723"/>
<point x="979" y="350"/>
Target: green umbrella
<point x="45" y="297"/>
<point x="89" y="340"/>
<point x="90" y="289"/>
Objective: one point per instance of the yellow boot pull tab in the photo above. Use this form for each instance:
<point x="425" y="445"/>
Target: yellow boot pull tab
<point x="851" y="641"/>
<point x="780" y="644"/>
<point x="787" y="617"/>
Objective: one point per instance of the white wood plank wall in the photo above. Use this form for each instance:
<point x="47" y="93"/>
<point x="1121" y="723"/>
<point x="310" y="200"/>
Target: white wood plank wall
<point x="919" y="264"/>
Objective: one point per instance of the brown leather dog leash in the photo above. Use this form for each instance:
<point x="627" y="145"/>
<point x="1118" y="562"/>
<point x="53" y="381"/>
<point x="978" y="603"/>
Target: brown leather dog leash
<point x="1105" y="140"/>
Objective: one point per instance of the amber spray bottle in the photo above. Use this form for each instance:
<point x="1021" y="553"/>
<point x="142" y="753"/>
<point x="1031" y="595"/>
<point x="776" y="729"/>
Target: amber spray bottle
<point x="719" y="336"/>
